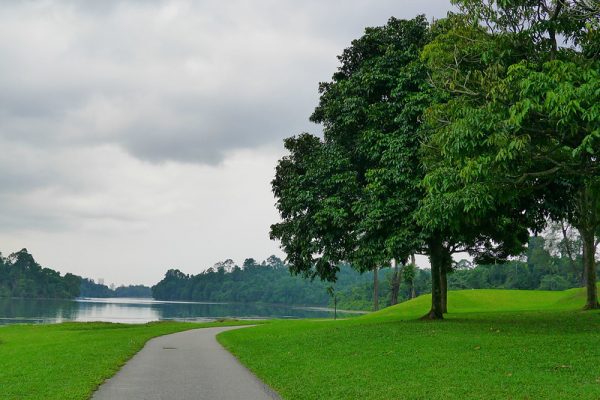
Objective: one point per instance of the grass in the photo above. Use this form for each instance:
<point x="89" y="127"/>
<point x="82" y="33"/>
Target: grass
<point x="70" y="360"/>
<point x="494" y="344"/>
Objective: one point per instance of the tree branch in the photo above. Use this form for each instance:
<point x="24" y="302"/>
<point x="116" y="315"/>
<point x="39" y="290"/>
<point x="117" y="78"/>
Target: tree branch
<point x="552" y="27"/>
<point x="539" y="174"/>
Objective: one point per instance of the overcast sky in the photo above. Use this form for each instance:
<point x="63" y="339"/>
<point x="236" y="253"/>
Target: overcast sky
<point x="137" y="136"/>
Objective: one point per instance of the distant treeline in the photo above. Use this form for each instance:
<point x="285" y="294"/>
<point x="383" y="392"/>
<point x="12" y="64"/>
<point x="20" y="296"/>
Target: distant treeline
<point x="22" y="276"/>
<point x="538" y="269"/>
<point x="89" y="288"/>
<point x="544" y="266"/>
<point x="267" y="282"/>
<point x="270" y="281"/>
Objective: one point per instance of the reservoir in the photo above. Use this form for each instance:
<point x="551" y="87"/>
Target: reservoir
<point x="136" y="310"/>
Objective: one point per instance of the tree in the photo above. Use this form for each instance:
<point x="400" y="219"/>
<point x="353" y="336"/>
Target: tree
<point x="395" y="282"/>
<point x="521" y="126"/>
<point x="409" y="276"/>
<point x="371" y="110"/>
<point x="315" y="190"/>
<point x="356" y="195"/>
<point x="553" y="282"/>
<point x="562" y="240"/>
<point x="357" y="202"/>
<point x="268" y="281"/>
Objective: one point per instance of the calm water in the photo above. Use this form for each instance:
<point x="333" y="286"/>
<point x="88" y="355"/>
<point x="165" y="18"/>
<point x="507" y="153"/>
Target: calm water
<point x="143" y="310"/>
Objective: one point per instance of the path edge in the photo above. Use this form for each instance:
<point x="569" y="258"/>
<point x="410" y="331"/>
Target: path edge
<point x="270" y="391"/>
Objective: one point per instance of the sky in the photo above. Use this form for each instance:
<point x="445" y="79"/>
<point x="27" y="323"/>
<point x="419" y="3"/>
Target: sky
<point x="142" y="135"/>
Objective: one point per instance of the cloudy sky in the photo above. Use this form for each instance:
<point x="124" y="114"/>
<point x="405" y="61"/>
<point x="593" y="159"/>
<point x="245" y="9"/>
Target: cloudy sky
<point x="140" y="135"/>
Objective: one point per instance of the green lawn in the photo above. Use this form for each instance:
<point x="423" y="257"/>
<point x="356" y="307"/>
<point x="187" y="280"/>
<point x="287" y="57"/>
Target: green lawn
<point x="494" y="344"/>
<point x="68" y="361"/>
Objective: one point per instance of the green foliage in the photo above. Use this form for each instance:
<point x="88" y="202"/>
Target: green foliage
<point x="540" y="270"/>
<point x="553" y="282"/>
<point x="371" y="110"/>
<point x="516" y="275"/>
<point x="22" y="276"/>
<point x="359" y="296"/>
<point x="538" y="23"/>
<point x="89" y="288"/>
<point x="520" y="127"/>
<point x="315" y="188"/>
<point x="267" y="282"/>
<point x="356" y="195"/>
<point x="350" y="196"/>
<point x="409" y="273"/>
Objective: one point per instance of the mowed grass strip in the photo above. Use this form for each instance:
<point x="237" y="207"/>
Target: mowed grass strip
<point x="491" y="346"/>
<point x="70" y="360"/>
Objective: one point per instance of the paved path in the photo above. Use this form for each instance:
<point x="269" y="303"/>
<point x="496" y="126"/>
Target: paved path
<point x="187" y="365"/>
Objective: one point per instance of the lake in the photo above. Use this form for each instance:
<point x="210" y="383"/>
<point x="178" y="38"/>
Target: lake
<point x="128" y="310"/>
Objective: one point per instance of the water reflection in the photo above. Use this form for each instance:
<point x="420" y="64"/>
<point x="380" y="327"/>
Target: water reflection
<point x="143" y="310"/>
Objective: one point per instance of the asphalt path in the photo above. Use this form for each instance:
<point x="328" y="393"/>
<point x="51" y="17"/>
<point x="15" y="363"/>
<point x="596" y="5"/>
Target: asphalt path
<point x="186" y="365"/>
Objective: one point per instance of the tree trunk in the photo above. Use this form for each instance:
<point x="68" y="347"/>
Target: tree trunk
<point x="395" y="282"/>
<point x="552" y="27"/>
<point x="570" y="253"/>
<point x="375" y="289"/>
<point x="412" y="282"/>
<point x="587" y="224"/>
<point x="436" y="259"/>
<point x="446" y="268"/>
<point x="589" y="268"/>
<point x="444" y="287"/>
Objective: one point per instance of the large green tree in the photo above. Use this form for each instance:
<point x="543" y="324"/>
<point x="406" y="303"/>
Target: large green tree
<point x="521" y="127"/>
<point x="355" y="194"/>
<point x="351" y="196"/>
<point x="315" y="189"/>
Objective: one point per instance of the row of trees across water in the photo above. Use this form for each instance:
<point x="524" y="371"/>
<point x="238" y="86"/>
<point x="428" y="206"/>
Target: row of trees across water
<point x="21" y="276"/>
<point x="268" y="281"/>
<point x="463" y="135"/>
<point x="549" y="263"/>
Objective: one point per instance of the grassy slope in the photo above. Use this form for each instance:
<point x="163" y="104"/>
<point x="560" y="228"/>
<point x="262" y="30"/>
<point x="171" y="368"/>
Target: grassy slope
<point x="68" y="361"/>
<point x="491" y="346"/>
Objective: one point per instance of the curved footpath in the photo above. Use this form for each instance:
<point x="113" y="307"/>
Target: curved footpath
<point x="185" y="365"/>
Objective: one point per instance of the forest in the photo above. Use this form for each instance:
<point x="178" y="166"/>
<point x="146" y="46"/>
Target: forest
<point x="550" y="262"/>
<point x="541" y="267"/>
<point x="545" y="265"/>
<point x="89" y="288"/>
<point x="21" y="276"/>
<point x="269" y="281"/>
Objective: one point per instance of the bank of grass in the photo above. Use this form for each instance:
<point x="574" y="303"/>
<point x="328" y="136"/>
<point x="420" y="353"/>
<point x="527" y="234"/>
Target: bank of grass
<point x="494" y="344"/>
<point x="69" y="360"/>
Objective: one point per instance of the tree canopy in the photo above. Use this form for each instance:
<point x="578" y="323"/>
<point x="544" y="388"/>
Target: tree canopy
<point x="356" y="195"/>
<point x="268" y="281"/>
<point x="462" y="135"/>
<point x="22" y="276"/>
<point x="521" y="125"/>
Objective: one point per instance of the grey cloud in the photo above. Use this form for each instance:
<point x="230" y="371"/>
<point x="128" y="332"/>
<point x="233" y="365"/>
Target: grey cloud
<point x="213" y="130"/>
<point x="15" y="220"/>
<point x="184" y="81"/>
<point x="145" y="132"/>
